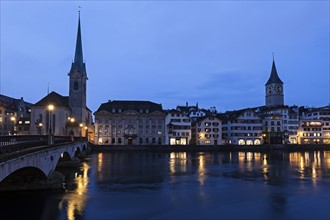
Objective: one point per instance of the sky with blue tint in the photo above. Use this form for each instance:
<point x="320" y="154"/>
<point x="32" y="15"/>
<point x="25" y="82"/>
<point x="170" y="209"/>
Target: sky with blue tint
<point x="214" y="53"/>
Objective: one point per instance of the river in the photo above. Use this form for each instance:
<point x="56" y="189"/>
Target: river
<point x="205" y="185"/>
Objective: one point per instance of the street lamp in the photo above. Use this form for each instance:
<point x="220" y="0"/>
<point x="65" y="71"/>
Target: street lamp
<point x="50" y="109"/>
<point x="12" y="118"/>
<point x="80" y="125"/>
<point x="40" y="126"/>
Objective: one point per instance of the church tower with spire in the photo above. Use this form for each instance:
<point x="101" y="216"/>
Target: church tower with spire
<point x="77" y="81"/>
<point x="274" y="89"/>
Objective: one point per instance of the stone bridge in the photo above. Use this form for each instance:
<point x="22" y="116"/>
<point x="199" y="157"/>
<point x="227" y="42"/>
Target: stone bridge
<point x="38" y="163"/>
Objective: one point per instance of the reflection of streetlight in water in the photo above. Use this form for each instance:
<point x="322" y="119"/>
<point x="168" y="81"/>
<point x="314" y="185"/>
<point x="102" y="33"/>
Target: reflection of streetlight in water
<point x="76" y="199"/>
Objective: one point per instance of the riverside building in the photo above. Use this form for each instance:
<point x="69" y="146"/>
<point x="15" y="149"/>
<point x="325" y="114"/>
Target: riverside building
<point x="178" y="128"/>
<point x="130" y="123"/>
<point x="314" y="126"/>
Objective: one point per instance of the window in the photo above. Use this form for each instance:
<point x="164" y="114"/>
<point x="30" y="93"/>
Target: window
<point x="113" y="141"/>
<point x="153" y="140"/>
<point x="140" y="141"/>
<point x="75" y="85"/>
<point x="147" y="140"/>
<point x="119" y="140"/>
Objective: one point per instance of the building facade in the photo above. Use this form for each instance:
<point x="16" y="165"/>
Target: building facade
<point x="314" y="126"/>
<point x="207" y="130"/>
<point x="178" y="128"/>
<point x="129" y="123"/>
<point x="14" y="116"/>
<point x="243" y="127"/>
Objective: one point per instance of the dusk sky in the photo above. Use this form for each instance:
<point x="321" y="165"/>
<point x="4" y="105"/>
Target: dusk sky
<point x="216" y="53"/>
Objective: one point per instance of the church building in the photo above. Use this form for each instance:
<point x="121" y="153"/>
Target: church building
<point x="65" y="115"/>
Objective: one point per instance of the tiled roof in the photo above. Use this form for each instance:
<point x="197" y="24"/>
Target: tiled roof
<point x="54" y="99"/>
<point x="145" y="106"/>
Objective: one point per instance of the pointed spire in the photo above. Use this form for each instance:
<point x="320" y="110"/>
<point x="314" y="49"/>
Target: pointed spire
<point x="78" y="58"/>
<point x="274" y="78"/>
<point x="78" y="63"/>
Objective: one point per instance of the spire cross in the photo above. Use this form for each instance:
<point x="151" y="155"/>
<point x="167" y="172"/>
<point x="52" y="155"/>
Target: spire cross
<point x="273" y="55"/>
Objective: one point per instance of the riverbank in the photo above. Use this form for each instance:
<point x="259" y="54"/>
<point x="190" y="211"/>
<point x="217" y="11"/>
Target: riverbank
<point x="204" y="148"/>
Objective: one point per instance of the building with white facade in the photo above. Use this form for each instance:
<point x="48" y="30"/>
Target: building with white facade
<point x="129" y="123"/>
<point x="177" y="128"/>
<point x="280" y="123"/>
<point x="314" y="126"/>
<point x="242" y="127"/>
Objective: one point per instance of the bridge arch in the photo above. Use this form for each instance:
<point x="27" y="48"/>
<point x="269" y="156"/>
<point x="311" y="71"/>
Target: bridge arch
<point x="45" y="159"/>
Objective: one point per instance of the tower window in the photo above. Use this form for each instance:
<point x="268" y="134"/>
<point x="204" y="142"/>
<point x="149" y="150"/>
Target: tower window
<point x="75" y="85"/>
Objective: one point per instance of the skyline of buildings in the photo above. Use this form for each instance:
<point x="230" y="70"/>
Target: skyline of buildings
<point x="137" y="122"/>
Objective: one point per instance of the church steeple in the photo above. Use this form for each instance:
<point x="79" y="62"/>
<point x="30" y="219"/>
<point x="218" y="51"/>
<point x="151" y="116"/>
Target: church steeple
<point x="274" y="78"/>
<point x="78" y="58"/>
<point x="78" y="80"/>
<point x="78" y="63"/>
<point x="274" y="88"/>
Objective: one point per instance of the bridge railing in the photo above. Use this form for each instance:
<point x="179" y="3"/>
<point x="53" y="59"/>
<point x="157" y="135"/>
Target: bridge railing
<point x="16" y="139"/>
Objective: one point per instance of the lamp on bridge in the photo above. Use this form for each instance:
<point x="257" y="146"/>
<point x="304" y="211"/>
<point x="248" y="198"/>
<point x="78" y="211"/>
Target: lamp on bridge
<point x="40" y="126"/>
<point x="50" y="109"/>
<point x="81" y="125"/>
<point x="13" y="119"/>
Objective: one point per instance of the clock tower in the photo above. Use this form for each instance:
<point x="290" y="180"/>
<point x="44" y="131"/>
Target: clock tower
<point x="77" y="81"/>
<point x="274" y="89"/>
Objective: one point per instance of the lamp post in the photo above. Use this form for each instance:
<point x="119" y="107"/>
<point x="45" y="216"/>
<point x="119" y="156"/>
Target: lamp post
<point x="86" y="132"/>
<point x="50" y="137"/>
<point x="12" y="118"/>
<point x="80" y="125"/>
<point x="40" y="126"/>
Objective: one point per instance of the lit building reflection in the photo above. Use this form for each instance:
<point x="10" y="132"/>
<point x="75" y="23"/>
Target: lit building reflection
<point x="311" y="165"/>
<point x="201" y="169"/>
<point x="178" y="162"/>
<point x="75" y="201"/>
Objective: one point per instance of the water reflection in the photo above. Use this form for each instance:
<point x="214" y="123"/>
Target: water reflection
<point x="181" y="185"/>
<point x="73" y="203"/>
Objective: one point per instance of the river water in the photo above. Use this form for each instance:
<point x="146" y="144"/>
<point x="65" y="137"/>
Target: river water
<point x="144" y="185"/>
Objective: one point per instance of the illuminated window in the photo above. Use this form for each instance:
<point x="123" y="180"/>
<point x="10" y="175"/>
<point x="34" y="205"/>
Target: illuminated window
<point x="241" y="142"/>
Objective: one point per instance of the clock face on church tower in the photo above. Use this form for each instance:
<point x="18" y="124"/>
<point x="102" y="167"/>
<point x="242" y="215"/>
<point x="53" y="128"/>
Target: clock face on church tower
<point x="278" y="89"/>
<point x="76" y="75"/>
<point x="268" y="90"/>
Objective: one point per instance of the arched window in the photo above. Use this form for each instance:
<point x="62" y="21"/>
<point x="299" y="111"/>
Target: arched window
<point x="159" y="141"/>
<point x="257" y="142"/>
<point x="119" y="140"/>
<point x="75" y="85"/>
<point x="153" y="140"/>
<point x="241" y="142"/>
<point x="140" y="141"/>
<point x="113" y="141"/>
